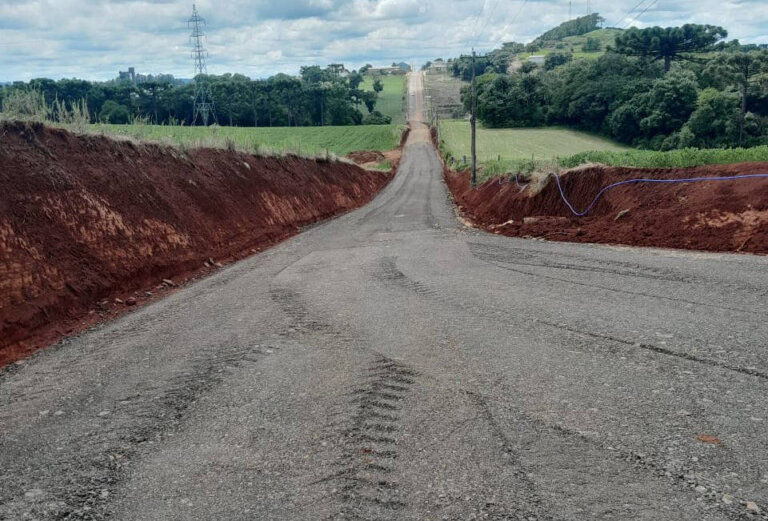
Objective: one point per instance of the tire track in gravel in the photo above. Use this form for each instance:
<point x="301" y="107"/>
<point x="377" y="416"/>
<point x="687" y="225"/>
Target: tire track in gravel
<point x="505" y="263"/>
<point x="534" y="430"/>
<point x="369" y="487"/>
<point x="301" y="319"/>
<point x="524" y="257"/>
<point x="99" y="459"/>
<point x="387" y="271"/>
<point x="535" y="507"/>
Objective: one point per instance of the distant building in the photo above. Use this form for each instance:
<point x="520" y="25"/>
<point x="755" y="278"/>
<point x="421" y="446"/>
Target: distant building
<point x="538" y="59"/>
<point x="129" y="75"/>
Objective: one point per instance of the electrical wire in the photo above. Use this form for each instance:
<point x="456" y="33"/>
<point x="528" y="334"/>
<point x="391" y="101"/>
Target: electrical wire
<point x="642" y="13"/>
<point x="514" y="18"/>
<point x="621" y="20"/>
<point x="477" y="21"/>
<point x="487" y="21"/>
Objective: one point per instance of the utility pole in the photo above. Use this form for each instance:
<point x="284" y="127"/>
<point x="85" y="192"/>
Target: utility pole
<point x="203" y="104"/>
<point x="570" y="9"/>
<point x="473" y="122"/>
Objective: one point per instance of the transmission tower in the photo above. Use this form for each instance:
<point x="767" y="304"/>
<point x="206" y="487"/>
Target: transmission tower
<point x="203" y="105"/>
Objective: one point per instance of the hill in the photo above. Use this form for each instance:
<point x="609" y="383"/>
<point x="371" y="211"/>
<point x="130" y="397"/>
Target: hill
<point x="575" y="27"/>
<point x="583" y="37"/>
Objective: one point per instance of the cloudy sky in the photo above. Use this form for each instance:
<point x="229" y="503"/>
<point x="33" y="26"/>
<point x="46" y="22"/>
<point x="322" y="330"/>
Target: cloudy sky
<point x="93" y="39"/>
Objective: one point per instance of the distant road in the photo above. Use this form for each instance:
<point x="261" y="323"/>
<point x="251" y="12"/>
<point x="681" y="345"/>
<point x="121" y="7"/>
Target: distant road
<point x="392" y="364"/>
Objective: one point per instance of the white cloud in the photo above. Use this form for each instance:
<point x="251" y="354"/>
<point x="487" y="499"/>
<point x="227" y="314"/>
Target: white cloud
<point x="93" y="39"/>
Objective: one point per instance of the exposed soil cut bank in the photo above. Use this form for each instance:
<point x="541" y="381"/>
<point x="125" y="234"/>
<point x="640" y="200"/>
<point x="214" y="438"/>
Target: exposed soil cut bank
<point x="713" y="216"/>
<point x="86" y="220"/>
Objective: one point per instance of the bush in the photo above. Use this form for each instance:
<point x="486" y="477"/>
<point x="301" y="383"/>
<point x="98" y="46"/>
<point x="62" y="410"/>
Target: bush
<point x="113" y="112"/>
<point x="592" y="45"/>
<point x="24" y="105"/>
<point x="377" y="118"/>
<point x="556" y="59"/>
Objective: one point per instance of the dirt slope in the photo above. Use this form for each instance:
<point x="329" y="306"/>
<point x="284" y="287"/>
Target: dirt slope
<point x="86" y="219"/>
<point x="714" y="216"/>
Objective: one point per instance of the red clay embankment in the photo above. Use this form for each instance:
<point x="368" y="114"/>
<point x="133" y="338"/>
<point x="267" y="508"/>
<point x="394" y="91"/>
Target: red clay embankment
<point x="714" y="216"/>
<point x="87" y="224"/>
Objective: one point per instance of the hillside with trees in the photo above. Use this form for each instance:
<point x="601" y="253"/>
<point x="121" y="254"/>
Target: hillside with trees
<point x="657" y="88"/>
<point x="575" y="27"/>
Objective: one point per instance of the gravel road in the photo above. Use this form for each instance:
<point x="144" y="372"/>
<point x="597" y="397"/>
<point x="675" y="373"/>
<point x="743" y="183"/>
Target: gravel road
<point x="393" y="364"/>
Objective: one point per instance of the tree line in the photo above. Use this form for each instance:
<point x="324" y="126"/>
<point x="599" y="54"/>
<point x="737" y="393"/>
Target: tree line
<point x="317" y="97"/>
<point x="657" y="88"/>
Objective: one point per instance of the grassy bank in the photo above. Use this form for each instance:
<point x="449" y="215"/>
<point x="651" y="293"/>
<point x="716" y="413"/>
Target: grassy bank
<point x="298" y="140"/>
<point x="682" y="158"/>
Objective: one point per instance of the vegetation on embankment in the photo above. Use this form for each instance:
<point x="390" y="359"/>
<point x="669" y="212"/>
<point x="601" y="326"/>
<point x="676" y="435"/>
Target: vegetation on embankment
<point x="89" y="225"/>
<point x="680" y="158"/>
<point x="509" y="151"/>
<point x="304" y="141"/>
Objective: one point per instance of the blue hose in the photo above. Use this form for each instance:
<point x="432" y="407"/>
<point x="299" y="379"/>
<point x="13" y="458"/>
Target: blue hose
<point x="636" y="181"/>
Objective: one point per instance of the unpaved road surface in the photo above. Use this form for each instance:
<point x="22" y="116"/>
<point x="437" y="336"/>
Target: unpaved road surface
<point x="393" y="365"/>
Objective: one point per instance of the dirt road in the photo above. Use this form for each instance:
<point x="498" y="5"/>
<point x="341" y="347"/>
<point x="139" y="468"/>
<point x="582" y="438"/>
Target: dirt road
<point x="392" y="364"/>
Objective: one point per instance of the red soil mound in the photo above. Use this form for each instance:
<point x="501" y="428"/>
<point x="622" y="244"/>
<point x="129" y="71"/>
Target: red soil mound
<point x="362" y="157"/>
<point x="714" y="216"/>
<point x="87" y="219"/>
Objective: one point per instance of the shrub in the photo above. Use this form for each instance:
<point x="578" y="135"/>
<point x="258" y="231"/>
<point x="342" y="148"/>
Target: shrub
<point x="377" y="118"/>
<point x="25" y="105"/>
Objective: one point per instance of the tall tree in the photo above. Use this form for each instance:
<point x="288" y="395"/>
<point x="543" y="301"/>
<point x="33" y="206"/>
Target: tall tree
<point x="669" y="43"/>
<point x="739" y="68"/>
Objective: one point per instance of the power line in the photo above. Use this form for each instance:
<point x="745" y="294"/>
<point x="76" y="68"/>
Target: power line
<point x="513" y="20"/>
<point x="641" y="13"/>
<point x="477" y="20"/>
<point x="620" y="20"/>
<point x="487" y="21"/>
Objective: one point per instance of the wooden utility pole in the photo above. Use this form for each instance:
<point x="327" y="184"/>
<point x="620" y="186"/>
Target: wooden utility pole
<point x="473" y="122"/>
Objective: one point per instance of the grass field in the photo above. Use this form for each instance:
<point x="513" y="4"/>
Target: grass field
<point x="390" y="102"/>
<point x="298" y="140"/>
<point x="682" y="158"/>
<point x="502" y="150"/>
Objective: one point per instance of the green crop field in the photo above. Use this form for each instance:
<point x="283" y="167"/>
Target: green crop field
<point x="681" y="158"/>
<point x="390" y="101"/>
<point x="500" y="150"/>
<point x="298" y="140"/>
